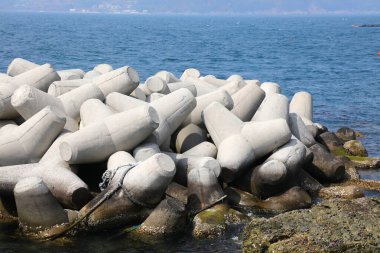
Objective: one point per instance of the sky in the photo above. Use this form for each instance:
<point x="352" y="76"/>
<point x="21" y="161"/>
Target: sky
<point x="271" y="7"/>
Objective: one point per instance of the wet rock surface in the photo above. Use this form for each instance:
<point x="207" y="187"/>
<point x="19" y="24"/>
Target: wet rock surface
<point x="335" y="225"/>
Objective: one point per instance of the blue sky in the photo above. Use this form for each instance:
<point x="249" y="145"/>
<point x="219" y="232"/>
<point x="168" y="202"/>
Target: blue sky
<point x="199" y="6"/>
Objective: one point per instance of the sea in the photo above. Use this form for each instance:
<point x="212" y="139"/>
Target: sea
<point x="324" y="55"/>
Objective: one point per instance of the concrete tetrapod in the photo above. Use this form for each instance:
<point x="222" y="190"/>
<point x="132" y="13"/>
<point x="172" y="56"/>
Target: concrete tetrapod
<point x="93" y="111"/>
<point x="292" y="155"/>
<point x="302" y="104"/>
<point x="145" y="151"/>
<point x="239" y="144"/>
<point x="186" y="163"/>
<point x="91" y="74"/>
<point x="37" y="209"/>
<point x="19" y="66"/>
<point x="168" y="218"/>
<point x="119" y="132"/>
<point x="28" y="101"/>
<point x="265" y="180"/>
<point x="40" y="77"/>
<point x="172" y="111"/>
<point x="138" y="93"/>
<point x="143" y="188"/>
<point x="191" y="72"/>
<point x="118" y="159"/>
<point x="178" y="85"/>
<point x="120" y="102"/>
<point x="246" y="101"/>
<point x="189" y="137"/>
<point x="155" y="84"/>
<point x="300" y="131"/>
<point x="201" y="86"/>
<point x="270" y="87"/>
<point x="203" y="188"/>
<point x="67" y="75"/>
<point x="4" y="78"/>
<point x="274" y="106"/>
<point x="29" y="141"/>
<point x="103" y="68"/>
<point x="154" y="96"/>
<point x="123" y="80"/>
<point x="78" y="72"/>
<point x="205" y="149"/>
<point x="58" y="88"/>
<point x="233" y="87"/>
<point x="221" y="96"/>
<point x="167" y="76"/>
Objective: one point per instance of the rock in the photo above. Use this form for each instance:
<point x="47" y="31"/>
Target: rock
<point x="212" y="222"/>
<point x="365" y="163"/>
<point x="355" y="148"/>
<point x="332" y="226"/>
<point x="344" y="192"/>
<point x="346" y="134"/>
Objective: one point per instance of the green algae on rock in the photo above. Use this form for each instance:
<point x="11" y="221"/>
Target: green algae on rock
<point x="336" y="225"/>
<point x="355" y="148"/>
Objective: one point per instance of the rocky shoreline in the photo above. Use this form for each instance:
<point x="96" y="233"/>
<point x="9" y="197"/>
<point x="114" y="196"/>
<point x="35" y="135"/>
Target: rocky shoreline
<point x="96" y="151"/>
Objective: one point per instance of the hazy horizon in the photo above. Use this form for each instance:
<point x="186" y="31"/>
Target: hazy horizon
<point x="216" y="7"/>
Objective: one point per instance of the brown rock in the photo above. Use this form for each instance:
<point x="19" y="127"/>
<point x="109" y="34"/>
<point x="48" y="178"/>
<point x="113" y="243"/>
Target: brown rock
<point x="355" y="148"/>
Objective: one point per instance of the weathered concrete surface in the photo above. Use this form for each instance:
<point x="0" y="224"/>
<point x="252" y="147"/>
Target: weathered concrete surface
<point x="332" y="226"/>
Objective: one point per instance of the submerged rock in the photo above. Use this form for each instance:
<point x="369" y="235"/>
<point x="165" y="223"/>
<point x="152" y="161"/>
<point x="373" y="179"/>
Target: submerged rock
<point x="346" y="134"/>
<point x="332" y="226"/>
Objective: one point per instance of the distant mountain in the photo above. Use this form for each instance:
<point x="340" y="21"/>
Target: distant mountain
<point x="197" y="6"/>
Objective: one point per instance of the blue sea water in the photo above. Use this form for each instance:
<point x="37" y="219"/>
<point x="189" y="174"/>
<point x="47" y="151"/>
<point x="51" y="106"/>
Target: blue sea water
<point x="324" y="55"/>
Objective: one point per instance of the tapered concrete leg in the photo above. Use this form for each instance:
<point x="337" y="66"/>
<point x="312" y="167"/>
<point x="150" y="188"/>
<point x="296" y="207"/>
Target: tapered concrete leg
<point x="274" y="106"/>
<point x="36" y="207"/>
<point x="257" y="82"/>
<point x="190" y="73"/>
<point x="266" y="136"/>
<point x="66" y="75"/>
<point x="146" y="182"/>
<point x="202" y="87"/>
<point x="189" y="137"/>
<point x="6" y="109"/>
<point x="168" y="218"/>
<point x="19" y="66"/>
<point x="172" y="111"/>
<point x="123" y="80"/>
<point x="40" y="77"/>
<point x="270" y="87"/>
<point x="233" y="87"/>
<point x="292" y="155"/>
<point x="91" y="74"/>
<point x="203" y="101"/>
<point x="78" y="72"/>
<point x="30" y="140"/>
<point x="156" y="85"/>
<point x="266" y="180"/>
<point x="103" y="68"/>
<point x="246" y="101"/>
<point x="121" y="103"/>
<point x="300" y="131"/>
<point x="8" y="129"/>
<point x="205" y="149"/>
<point x="168" y="77"/>
<point x="4" y="78"/>
<point x="118" y="159"/>
<point x="325" y="167"/>
<point x="154" y="96"/>
<point x="302" y="104"/>
<point x="73" y="100"/>
<point x="178" y="85"/>
<point x="28" y="100"/>
<point x="186" y="163"/>
<point x="204" y="189"/>
<point x="138" y="93"/>
<point x="220" y="122"/>
<point x="145" y="151"/>
<point x="234" y="77"/>
<point x="122" y="131"/>
<point x="177" y="191"/>
<point x="61" y="87"/>
<point x="93" y="111"/>
<point x="7" y="122"/>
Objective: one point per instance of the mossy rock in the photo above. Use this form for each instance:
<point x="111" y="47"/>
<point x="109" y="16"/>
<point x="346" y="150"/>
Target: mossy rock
<point x="346" y="134"/>
<point x="355" y="148"/>
<point x="336" y="225"/>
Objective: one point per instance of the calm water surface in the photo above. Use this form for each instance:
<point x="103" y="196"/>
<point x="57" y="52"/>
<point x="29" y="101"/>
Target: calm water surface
<point x="325" y="56"/>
